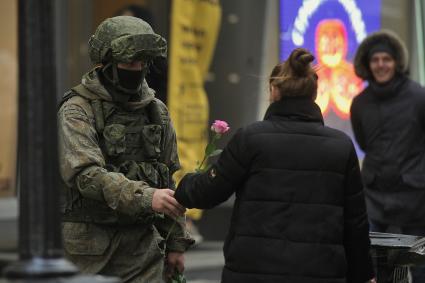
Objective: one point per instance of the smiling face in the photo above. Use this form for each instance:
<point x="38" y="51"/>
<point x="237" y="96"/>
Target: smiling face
<point x="383" y="67"/>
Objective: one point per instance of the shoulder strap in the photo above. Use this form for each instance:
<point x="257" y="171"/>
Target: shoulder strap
<point x="77" y="90"/>
<point x="96" y="105"/>
<point x="80" y="89"/>
<point x="69" y="94"/>
<point x="99" y="117"/>
<point x="156" y="114"/>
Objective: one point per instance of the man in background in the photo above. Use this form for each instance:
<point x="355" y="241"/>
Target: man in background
<point x="388" y="119"/>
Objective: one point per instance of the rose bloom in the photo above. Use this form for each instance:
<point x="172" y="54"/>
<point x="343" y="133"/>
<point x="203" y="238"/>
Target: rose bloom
<point x="220" y="127"/>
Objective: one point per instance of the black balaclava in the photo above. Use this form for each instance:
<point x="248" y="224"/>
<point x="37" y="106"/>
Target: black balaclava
<point x="131" y="80"/>
<point x="124" y="85"/>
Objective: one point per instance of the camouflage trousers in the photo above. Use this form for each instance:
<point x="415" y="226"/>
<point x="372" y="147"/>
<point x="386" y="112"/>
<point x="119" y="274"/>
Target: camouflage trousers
<point x="134" y="253"/>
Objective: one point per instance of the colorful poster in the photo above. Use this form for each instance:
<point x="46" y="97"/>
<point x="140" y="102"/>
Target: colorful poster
<point x="194" y="30"/>
<point x="332" y="30"/>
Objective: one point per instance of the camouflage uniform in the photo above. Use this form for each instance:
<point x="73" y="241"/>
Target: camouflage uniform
<point x="113" y="156"/>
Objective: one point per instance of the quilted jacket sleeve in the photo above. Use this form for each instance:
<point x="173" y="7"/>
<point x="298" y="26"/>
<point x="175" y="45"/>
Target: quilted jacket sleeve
<point x="208" y="189"/>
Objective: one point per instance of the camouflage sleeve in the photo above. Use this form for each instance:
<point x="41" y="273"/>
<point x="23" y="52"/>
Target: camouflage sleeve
<point x="174" y="231"/>
<point x="82" y="162"/>
<point x="178" y="239"/>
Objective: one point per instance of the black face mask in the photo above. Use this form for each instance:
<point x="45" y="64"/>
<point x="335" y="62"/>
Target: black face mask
<point x="130" y="80"/>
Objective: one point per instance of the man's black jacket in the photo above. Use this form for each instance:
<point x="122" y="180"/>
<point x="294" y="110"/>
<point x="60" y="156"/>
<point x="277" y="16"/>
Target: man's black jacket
<point x="389" y="125"/>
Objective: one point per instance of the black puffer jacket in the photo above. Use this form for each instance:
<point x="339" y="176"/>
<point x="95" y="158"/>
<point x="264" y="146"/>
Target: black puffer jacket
<point x="299" y="214"/>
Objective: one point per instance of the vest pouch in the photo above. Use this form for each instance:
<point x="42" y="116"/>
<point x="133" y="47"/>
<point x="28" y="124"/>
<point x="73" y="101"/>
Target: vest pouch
<point x="85" y="238"/>
<point x="157" y="174"/>
<point x="164" y="174"/>
<point x="148" y="172"/>
<point x="151" y="141"/>
<point x="114" y="135"/>
<point x="140" y="171"/>
<point x="154" y="173"/>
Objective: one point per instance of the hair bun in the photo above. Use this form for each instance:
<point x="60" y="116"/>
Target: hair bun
<point x="300" y="60"/>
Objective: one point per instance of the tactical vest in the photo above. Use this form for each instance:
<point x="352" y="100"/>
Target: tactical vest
<point x="132" y="144"/>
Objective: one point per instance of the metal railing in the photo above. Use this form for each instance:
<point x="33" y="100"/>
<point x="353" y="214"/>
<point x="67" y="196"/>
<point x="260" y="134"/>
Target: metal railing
<point x="394" y="254"/>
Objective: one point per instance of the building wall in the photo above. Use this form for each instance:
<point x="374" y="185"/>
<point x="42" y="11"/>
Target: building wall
<point x="396" y="16"/>
<point x="8" y="96"/>
<point x="103" y="9"/>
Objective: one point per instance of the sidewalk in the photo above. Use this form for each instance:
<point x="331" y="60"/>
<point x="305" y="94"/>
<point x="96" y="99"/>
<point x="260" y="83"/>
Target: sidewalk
<point x="204" y="263"/>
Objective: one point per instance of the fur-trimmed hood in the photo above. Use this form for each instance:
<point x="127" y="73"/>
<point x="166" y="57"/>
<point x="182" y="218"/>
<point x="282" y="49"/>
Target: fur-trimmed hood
<point x="361" y="60"/>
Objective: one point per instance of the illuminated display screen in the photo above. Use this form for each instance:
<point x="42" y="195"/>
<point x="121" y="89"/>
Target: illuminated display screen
<point x="332" y="30"/>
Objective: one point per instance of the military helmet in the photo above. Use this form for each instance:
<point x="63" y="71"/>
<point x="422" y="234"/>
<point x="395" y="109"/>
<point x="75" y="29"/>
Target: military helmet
<point x="125" y="39"/>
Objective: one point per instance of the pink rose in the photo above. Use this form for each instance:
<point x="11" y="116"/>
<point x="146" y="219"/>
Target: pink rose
<point x="220" y="127"/>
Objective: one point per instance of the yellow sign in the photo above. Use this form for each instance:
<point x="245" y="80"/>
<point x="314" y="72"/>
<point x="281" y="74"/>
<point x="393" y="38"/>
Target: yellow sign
<point x="194" y="29"/>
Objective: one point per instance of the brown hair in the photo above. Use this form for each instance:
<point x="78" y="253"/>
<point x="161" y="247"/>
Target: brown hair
<point x="295" y="77"/>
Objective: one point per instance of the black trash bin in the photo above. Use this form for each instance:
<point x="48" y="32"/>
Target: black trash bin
<point x="393" y="254"/>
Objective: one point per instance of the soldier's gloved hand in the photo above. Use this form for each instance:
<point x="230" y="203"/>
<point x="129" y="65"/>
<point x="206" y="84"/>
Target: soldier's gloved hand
<point x="163" y="201"/>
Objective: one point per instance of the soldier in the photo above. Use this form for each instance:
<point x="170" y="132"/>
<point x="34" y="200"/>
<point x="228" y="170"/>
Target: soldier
<point x="117" y="148"/>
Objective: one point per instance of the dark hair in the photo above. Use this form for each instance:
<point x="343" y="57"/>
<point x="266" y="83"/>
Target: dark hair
<point x="295" y="77"/>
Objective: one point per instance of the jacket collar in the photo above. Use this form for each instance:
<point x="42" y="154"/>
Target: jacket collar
<point x="302" y="109"/>
<point x="389" y="89"/>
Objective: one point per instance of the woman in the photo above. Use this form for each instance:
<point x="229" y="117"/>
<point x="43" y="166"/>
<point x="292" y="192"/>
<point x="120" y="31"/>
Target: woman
<point x="299" y="214"/>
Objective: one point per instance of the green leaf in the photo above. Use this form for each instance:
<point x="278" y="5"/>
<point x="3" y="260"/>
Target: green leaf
<point x="177" y="278"/>
<point x="216" y="152"/>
